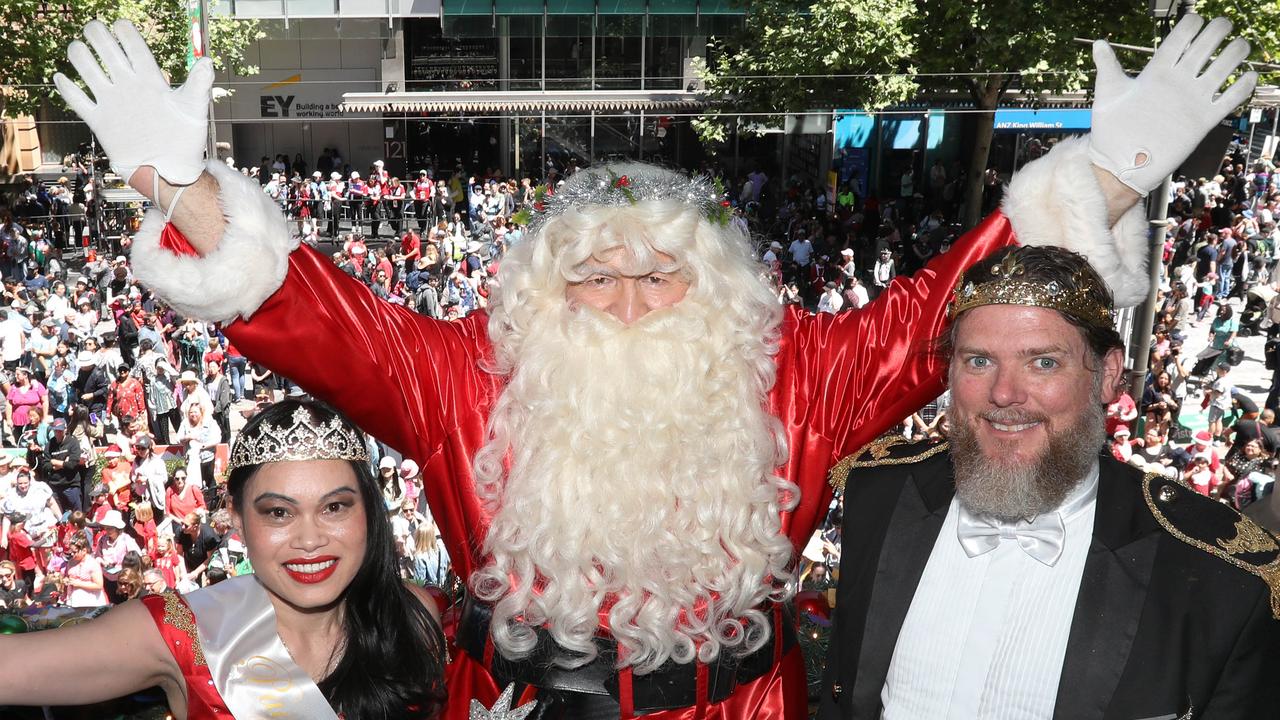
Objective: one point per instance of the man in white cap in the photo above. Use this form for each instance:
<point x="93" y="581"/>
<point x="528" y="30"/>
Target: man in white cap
<point x="633" y="370"/>
<point x="316" y="189"/>
<point x="424" y="190"/>
<point x="357" y="193"/>
<point x="92" y="384"/>
<point x="375" y="208"/>
<point x="847" y="268"/>
<point x="335" y="197"/>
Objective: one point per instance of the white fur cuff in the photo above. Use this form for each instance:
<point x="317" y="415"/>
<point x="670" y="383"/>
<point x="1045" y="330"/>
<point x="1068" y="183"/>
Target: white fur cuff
<point x="1056" y="201"/>
<point x="247" y="267"/>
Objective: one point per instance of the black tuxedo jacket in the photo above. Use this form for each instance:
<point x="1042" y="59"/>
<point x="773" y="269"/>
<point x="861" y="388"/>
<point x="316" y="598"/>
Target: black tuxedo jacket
<point x="1173" y="618"/>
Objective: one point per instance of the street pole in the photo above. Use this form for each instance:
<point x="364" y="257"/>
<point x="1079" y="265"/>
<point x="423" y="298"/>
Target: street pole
<point x="1157" y="215"/>
<point x="212" y="147"/>
<point x="1248" y="149"/>
<point x="1145" y="317"/>
<point x="1275" y="123"/>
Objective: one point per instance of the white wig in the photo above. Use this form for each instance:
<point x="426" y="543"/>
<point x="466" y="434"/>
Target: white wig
<point x="632" y="470"/>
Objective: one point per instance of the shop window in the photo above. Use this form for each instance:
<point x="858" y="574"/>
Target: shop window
<point x="569" y="52"/>
<point x="618" y="44"/>
<point x="524" y="33"/>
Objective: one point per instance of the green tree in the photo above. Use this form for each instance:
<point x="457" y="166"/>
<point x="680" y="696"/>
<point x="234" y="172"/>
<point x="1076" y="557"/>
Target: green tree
<point x="791" y="59"/>
<point x="899" y="48"/>
<point x="1018" y="44"/>
<point x="37" y="33"/>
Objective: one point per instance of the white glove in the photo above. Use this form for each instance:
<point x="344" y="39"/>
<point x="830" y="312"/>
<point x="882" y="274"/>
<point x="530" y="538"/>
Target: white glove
<point x="138" y="118"/>
<point x="1145" y="127"/>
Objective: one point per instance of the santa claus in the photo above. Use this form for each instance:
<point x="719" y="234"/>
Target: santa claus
<point x="625" y="451"/>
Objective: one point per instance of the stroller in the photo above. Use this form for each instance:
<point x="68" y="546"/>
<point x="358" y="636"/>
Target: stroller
<point x="1253" y="319"/>
<point x="1202" y="371"/>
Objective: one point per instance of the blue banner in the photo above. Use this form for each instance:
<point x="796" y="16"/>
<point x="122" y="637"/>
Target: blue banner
<point x="1027" y="120"/>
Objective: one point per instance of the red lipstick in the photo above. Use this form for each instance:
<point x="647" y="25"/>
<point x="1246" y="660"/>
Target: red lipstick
<point x="310" y="571"/>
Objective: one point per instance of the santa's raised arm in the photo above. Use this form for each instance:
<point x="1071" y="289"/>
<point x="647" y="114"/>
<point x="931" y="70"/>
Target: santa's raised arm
<point x="625" y="451"/>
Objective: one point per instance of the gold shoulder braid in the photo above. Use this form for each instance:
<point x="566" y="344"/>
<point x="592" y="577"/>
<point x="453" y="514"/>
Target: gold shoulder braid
<point x="891" y="449"/>
<point x="177" y="615"/>
<point x="1217" y="529"/>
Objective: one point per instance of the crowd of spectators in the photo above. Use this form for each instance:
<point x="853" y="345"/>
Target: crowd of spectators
<point x="100" y="377"/>
<point x="115" y="411"/>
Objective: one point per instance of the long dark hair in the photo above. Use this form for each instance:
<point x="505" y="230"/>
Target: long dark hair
<point x="393" y="663"/>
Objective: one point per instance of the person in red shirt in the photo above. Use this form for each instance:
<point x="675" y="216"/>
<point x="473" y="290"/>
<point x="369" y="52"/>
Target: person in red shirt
<point x="168" y="560"/>
<point x="117" y="475"/>
<point x="143" y="528"/>
<point x="1122" y="412"/>
<point x="410" y="249"/>
<point x="423" y="192"/>
<point x="101" y="505"/>
<point x="215" y="353"/>
<point x="383" y="265"/>
<point x="358" y="252"/>
<point x="182" y="498"/>
<point x="125" y="398"/>
<point x="20" y="544"/>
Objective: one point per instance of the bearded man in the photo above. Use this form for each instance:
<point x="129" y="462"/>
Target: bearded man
<point x="1019" y="572"/>
<point x="625" y="451"/>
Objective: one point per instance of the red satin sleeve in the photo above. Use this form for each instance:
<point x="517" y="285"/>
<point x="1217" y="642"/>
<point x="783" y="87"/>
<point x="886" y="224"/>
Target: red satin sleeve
<point x="176" y="623"/>
<point x="413" y="382"/>
<point x="845" y="379"/>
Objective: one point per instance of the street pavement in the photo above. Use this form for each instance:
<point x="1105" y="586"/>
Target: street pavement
<point x="1251" y="376"/>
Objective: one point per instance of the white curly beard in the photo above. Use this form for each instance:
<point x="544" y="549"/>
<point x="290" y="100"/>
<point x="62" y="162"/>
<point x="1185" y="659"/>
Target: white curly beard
<point x="641" y="472"/>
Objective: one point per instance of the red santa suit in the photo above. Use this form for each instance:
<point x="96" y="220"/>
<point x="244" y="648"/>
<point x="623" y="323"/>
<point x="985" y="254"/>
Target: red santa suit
<point x="417" y="385"/>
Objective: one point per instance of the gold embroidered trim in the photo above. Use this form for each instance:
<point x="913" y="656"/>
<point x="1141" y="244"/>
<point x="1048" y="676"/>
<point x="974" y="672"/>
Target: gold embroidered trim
<point x="178" y="615"/>
<point x="1249" y="539"/>
<point x="879" y="451"/>
<point x="1270" y="573"/>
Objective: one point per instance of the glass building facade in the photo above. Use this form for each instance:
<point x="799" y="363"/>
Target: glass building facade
<point x="581" y="47"/>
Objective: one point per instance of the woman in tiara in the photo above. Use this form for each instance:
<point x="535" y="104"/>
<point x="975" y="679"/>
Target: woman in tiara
<point x="323" y="629"/>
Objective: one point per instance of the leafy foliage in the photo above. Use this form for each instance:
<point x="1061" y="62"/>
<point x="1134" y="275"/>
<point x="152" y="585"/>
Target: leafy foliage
<point x="37" y="33"/>
<point x="783" y="60"/>
<point x="796" y="57"/>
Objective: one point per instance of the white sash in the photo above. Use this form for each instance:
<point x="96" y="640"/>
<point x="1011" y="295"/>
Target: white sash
<point x="250" y="666"/>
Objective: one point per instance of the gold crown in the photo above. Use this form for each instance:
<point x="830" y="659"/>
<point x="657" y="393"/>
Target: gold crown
<point x="303" y="440"/>
<point x="1007" y="289"/>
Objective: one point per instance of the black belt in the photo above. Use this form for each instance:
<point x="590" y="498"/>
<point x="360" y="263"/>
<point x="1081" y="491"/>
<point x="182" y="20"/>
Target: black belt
<point x="673" y="685"/>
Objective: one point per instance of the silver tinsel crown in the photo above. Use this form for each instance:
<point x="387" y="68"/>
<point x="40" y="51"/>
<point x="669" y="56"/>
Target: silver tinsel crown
<point x="301" y="440"/>
<point x="626" y="184"/>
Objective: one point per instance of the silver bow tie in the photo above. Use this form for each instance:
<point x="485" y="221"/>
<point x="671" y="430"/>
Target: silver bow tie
<point x="1041" y="538"/>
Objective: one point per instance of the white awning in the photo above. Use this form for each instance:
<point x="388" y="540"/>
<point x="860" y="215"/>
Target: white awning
<point x="120" y="195"/>
<point x="497" y="102"/>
